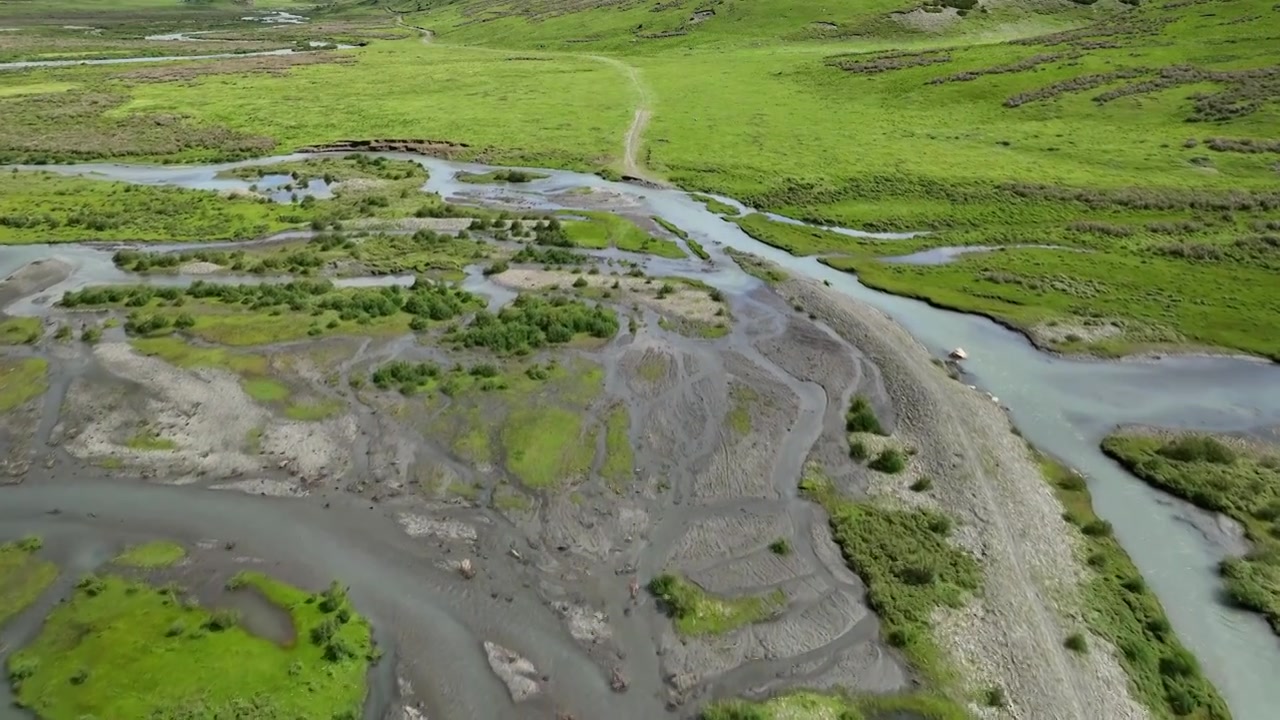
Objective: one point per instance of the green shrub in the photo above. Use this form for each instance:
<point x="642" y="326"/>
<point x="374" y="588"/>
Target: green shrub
<point x="890" y="460"/>
<point x="922" y="484"/>
<point x="858" y="450"/>
<point x="780" y="547"/>
<point x="862" y="417"/>
<point x="1076" y="642"/>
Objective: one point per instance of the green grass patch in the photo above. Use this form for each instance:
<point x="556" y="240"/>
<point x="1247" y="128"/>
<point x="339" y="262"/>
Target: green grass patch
<point x="1119" y="607"/>
<point x="757" y="267"/>
<point x="20" y="330"/>
<point x="695" y="612"/>
<point x="808" y="705"/>
<point x="604" y="230"/>
<point x="547" y="447"/>
<point x="313" y="411"/>
<point x="910" y="568"/>
<point x="715" y="206"/>
<point x="497" y="176"/>
<point x="1239" y="480"/>
<point x="155" y="554"/>
<point x="741" y="398"/>
<point x="124" y="649"/>
<point x="148" y="440"/>
<point x="619" y="460"/>
<point x="23" y="576"/>
<point x="251" y="368"/>
<point x="21" y="381"/>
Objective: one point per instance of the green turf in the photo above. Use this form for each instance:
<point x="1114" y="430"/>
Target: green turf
<point x="124" y="649"/>
<point x="21" y="381"/>
<point x="619" y="460"/>
<point x="1120" y="607"/>
<point x="146" y="439"/>
<point x="23" y="576"/>
<point x="20" y="330"/>
<point x="313" y="411"/>
<point x="695" y="612"/>
<point x="603" y="230"/>
<point x="1240" y="481"/>
<point x="155" y="554"/>
<point x="716" y="206"/>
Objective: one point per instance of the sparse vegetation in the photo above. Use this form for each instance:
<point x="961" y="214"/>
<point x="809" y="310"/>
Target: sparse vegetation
<point x="909" y="566"/>
<point x="1121" y="609"/>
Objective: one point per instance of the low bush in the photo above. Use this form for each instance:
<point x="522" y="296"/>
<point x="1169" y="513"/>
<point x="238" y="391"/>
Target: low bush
<point x="890" y="460"/>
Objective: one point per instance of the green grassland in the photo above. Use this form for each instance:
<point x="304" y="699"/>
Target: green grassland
<point x="21" y="381"/>
<point x="120" y="648"/>
<point x="23" y="576"/>
<point x="1012" y="124"/>
<point x="1237" y="479"/>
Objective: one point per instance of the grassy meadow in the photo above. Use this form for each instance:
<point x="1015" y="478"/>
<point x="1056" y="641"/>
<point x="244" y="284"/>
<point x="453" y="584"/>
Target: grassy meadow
<point x="1140" y="133"/>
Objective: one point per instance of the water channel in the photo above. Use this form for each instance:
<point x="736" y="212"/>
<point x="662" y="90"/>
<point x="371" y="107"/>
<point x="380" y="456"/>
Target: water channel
<point x="1064" y="406"/>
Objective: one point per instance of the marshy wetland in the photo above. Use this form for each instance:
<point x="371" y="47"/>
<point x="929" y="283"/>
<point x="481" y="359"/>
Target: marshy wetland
<point x="408" y="435"/>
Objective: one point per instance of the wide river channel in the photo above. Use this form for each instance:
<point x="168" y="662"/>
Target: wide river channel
<point x="1063" y="406"/>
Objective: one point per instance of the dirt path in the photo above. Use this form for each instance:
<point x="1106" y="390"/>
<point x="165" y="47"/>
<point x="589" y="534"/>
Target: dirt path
<point x="631" y="166"/>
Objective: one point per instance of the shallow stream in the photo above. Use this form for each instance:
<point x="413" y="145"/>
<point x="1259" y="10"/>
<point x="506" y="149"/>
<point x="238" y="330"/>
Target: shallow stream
<point x="1063" y="406"/>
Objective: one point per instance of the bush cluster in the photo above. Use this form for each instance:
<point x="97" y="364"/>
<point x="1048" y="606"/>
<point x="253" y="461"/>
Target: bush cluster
<point x="532" y="322"/>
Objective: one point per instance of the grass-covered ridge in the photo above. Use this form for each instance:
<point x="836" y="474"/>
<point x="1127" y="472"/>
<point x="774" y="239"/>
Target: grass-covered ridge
<point x="120" y="648"/>
<point x="1236" y="478"/>
<point x="1119" y="607"/>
